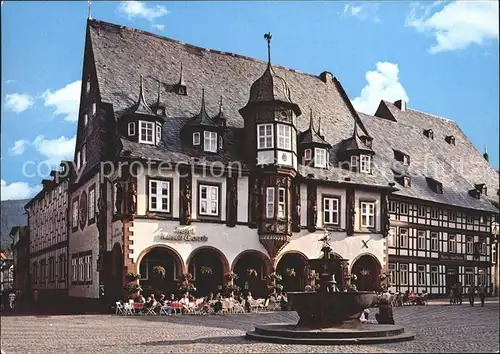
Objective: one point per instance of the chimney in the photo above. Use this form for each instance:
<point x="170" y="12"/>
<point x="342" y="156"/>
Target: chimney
<point x="326" y="76"/>
<point x="401" y="104"/>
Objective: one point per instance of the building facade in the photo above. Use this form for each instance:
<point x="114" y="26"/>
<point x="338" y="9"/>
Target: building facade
<point x="20" y="250"/>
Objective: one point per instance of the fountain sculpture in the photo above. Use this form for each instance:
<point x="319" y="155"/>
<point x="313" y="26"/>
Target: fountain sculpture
<point x="330" y="314"/>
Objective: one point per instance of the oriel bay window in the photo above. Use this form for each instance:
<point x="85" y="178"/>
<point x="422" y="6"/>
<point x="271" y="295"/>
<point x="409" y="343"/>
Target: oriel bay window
<point x="265" y="136"/>
<point x="269" y="202"/>
<point x="271" y="197"/>
<point x="159" y="196"/>
<point x="209" y="200"/>
<point x="284" y="137"/>
<point x="330" y="211"/>
<point x="281" y="203"/>
<point x="367" y="214"/>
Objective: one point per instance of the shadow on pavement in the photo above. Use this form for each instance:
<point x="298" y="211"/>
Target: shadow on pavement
<point x="210" y="340"/>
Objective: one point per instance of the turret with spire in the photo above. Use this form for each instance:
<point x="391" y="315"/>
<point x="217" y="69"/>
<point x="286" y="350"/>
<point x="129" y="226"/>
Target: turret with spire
<point x="357" y="151"/>
<point x="311" y="141"/>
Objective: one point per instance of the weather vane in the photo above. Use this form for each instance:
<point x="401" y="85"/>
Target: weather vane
<point x="268" y="37"/>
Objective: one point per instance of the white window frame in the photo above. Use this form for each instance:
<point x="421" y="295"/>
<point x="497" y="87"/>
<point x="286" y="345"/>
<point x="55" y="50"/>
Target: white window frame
<point x="434" y="214"/>
<point x="434" y="241"/>
<point x="392" y="237"/>
<point x="131" y="128"/>
<point x="392" y="272"/>
<point x="421" y="211"/>
<point x="494" y="253"/>
<point x="284" y="133"/>
<point x="78" y="162"/>
<point x="434" y="275"/>
<point x="469" y="276"/>
<point x="421" y="276"/>
<point x="270" y="202"/>
<point x="403" y="208"/>
<point x="91" y="203"/>
<point x="196" y="138"/>
<point x="365" y="162"/>
<point x="405" y="160"/>
<point x="481" y="277"/>
<point x="281" y="203"/>
<point x="88" y="268"/>
<point x="149" y="132"/>
<point x="320" y="157"/>
<point x="403" y="274"/>
<point x="94" y="109"/>
<point x="74" y="219"/>
<point x="421" y="240"/>
<point x="81" y="269"/>
<point x="392" y="206"/>
<point x="221" y="142"/>
<point x="366" y="216"/>
<point x="84" y="154"/>
<point x="267" y="136"/>
<point x="332" y="210"/>
<point x="87" y="87"/>
<point x="354" y="161"/>
<point x="85" y="119"/>
<point x="212" y="196"/>
<point x="403" y="238"/>
<point x="74" y="270"/>
<point x="209" y="141"/>
<point x="157" y="195"/>
<point x="450" y="218"/>
<point x="470" y="245"/>
<point x="158" y="133"/>
<point x="452" y="243"/>
<point x="307" y="154"/>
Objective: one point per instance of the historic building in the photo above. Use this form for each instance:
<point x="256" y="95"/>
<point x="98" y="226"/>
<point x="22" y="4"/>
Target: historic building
<point x="208" y="162"/>
<point x="20" y="249"/>
<point x="48" y="235"/>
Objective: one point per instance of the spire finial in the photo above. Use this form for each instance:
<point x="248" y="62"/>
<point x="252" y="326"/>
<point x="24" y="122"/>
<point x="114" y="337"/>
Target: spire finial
<point x="181" y="78"/>
<point x="311" y="119"/>
<point x="355" y="132"/>
<point x="319" y="126"/>
<point x="220" y="105"/>
<point x="202" y="101"/>
<point x="268" y="37"/>
<point x="158" y="99"/>
<point x="89" y="15"/>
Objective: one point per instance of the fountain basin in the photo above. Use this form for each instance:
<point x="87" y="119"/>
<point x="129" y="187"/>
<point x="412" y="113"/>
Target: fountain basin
<point x="327" y="309"/>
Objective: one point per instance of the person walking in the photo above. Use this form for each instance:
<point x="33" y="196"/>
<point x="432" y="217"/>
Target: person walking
<point x="472" y="293"/>
<point x="460" y="291"/>
<point x="482" y="294"/>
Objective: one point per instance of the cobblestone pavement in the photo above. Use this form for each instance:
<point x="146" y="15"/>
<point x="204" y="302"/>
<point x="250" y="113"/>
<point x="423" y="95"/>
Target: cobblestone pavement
<point x="439" y="328"/>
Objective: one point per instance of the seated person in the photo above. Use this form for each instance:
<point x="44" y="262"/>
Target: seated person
<point x="218" y="303"/>
<point x="385" y="315"/>
<point x="141" y="299"/>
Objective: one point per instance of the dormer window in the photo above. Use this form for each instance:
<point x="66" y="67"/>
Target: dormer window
<point x="265" y="136"/>
<point x="436" y="186"/>
<point x="221" y="142"/>
<point x="94" y="109"/>
<point x="450" y="139"/>
<point x="181" y="90"/>
<point x="365" y="163"/>
<point x="158" y="133"/>
<point x="131" y="128"/>
<point x="319" y="157"/>
<point x="87" y="89"/>
<point x="429" y="133"/>
<point x="354" y="161"/>
<point x="146" y="132"/>
<point x="307" y="154"/>
<point x="196" y="138"/>
<point x="210" y="141"/>
<point x="406" y="181"/>
<point x="481" y="188"/>
<point x="78" y="162"/>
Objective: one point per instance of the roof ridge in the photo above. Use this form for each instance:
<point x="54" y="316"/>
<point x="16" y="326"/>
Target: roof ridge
<point x="197" y="47"/>
<point x="431" y="115"/>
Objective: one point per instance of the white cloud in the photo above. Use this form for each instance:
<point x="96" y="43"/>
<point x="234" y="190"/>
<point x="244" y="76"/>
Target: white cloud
<point x="18" y="102"/>
<point x="159" y="27"/>
<point x="65" y="100"/>
<point x="19" y="147"/>
<point x="17" y="190"/>
<point x="134" y="9"/>
<point x="365" y="11"/>
<point x="382" y="84"/>
<point x="55" y="150"/>
<point x="457" y="25"/>
<point x="10" y="81"/>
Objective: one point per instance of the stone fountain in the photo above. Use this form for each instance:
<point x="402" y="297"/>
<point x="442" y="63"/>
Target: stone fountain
<point x="330" y="314"/>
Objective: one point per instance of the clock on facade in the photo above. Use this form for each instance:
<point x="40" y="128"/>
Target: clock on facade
<point x="83" y="210"/>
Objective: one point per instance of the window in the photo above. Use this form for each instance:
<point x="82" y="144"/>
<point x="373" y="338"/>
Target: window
<point x="159" y="196"/>
<point x="319" y="157"/>
<point x="52" y="269"/>
<point x="265" y="136"/>
<point x="307" y="154"/>
<point x="403" y="274"/>
<point x="392" y="207"/>
<point x="78" y="162"/>
<point x="94" y="109"/>
<point x="482" y="247"/>
<point x="87" y="89"/>
<point x="470" y="245"/>
<point x="494" y="253"/>
<point x="284" y="137"/>
<point x="422" y="211"/>
<point x="146" y="132"/>
<point x="210" y="141"/>
<point x="85" y="119"/>
<point x="434" y="213"/>
<point x="452" y="244"/>
<point x="403" y="208"/>
<point x="221" y="142"/>
<point x="88" y="268"/>
<point x="34" y="275"/>
<point x="392" y="237"/>
<point x="434" y="241"/>
<point x="74" y="270"/>
<point x="434" y="275"/>
<point x="421" y="240"/>
<point x="354" y="161"/>
<point x="405" y="160"/>
<point x="421" y="274"/>
<point x="392" y="272"/>
<point x="365" y="163"/>
<point x="84" y="154"/>
<point x="281" y="203"/>
<point x="403" y="238"/>
<point x="209" y="200"/>
<point x="469" y="277"/>
<point x="80" y="269"/>
<point x="331" y="211"/>
<point x="452" y="216"/>
<point x="131" y="128"/>
<point x="74" y="222"/>
<point x="91" y="203"/>
<point x="158" y="133"/>
<point x="270" y="202"/>
<point x="62" y="267"/>
<point x="470" y="219"/>
<point x="367" y="214"/>
<point x="196" y="138"/>
<point x="482" y="277"/>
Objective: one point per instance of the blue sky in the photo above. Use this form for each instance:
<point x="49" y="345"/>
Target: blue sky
<point x="440" y="56"/>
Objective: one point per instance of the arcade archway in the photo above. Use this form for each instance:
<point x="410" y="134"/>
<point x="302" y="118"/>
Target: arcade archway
<point x="151" y="266"/>
<point x="252" y="267"/>
<point x="292" y="268"/>
<point x="367" y="270"/>
<point x="207" y="265"/>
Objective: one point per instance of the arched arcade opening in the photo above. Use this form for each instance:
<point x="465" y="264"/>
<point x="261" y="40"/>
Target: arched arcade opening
<point x="292" y="268"/>
<point x="252" y="267"/>
<point x="367" y="270"/>
<point x="207" y="266"/>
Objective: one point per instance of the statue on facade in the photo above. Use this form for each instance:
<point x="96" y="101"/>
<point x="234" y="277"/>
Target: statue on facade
<point x="255" y="210"/>
<point x="233" y="201"/>
<point x="101" y="211"/>
<point x="132" y="198"/>
<point x="352" y="212"/>
<point x="386" y="217"/>
<point x="118" y="198"/>
<point x="186" y="202"/>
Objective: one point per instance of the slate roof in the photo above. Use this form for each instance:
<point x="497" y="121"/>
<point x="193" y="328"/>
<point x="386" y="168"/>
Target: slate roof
<point x="311" y="135"/>
<point x="458" y="167"/>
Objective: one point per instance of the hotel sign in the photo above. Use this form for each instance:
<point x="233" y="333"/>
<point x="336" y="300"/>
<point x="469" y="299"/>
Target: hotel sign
<point x="451" y="257"/>
<point x="183" y="234"/>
